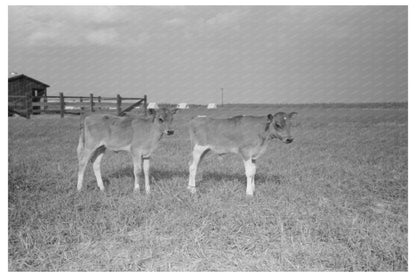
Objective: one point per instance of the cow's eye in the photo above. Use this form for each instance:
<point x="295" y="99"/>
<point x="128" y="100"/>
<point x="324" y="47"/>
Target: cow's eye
<point x="160" y="119"/>
<point x="278" y="126"/>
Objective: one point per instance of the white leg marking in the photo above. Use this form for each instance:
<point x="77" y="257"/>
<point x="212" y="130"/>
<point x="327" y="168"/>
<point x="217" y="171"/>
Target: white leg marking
<point x="146" y="166"/>
<point x="137" y="168"/>
<point x="81" y="169"/>
<point x="97" y="171"/>
<point x="196" y="156"/>
<point x="83" y="157"/>
<point x="250" y="168"/>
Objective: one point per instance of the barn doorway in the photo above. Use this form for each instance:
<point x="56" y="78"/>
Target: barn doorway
<point x="36" y="96"/>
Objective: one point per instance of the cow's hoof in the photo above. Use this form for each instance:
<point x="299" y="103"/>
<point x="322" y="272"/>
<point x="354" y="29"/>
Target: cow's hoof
<point x="192" y="190"/>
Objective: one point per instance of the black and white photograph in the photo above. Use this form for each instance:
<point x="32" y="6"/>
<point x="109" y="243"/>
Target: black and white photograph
<point x="207" y="138"/>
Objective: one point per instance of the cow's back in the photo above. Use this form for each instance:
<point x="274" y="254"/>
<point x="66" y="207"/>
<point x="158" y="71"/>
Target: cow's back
<point x="115" y="132"/>
<point x="227" y="135"/>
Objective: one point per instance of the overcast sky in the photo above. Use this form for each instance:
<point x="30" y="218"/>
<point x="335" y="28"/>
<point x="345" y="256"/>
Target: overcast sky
<point x="269" y="54"/>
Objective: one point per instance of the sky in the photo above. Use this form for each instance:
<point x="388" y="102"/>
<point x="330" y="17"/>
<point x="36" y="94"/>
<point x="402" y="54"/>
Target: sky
<point x="257" y="54"/>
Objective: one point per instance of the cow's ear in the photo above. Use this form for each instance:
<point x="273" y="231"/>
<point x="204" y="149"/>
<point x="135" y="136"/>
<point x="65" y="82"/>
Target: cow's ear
<point x="269" y="118"/>
<point x="292" y="114"/>
<point x="152" y="112"/>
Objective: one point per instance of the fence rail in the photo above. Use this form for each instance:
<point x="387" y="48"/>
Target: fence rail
<point x="61" y="104"/>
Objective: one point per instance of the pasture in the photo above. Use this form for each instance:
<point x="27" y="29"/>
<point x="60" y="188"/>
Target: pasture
<point x="333" y="200"/>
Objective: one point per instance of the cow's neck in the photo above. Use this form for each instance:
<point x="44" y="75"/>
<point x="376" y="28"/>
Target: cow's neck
<point x="156" y="134"/>
<point x="267" y="134"/>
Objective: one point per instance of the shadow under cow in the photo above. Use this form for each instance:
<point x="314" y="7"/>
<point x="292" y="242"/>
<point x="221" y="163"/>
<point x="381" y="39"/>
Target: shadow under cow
<point x="203" y="177"/>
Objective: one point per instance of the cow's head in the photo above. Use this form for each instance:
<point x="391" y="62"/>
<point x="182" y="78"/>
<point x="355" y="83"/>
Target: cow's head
<point x="163" y="119"/>
<point x="279" y="126"/>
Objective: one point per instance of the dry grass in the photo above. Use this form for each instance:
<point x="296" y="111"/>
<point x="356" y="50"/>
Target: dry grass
<point x="334" y="200"/>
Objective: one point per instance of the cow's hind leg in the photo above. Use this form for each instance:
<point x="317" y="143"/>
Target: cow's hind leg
<point x="96" y="164"/>
<point x="197" y="154"/>
<point x="84" y="154"/>
<point x="250" y="167"/>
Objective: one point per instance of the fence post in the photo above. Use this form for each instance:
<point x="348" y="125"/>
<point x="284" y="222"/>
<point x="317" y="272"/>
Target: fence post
<point x="99" y="102"/>
<point x="118" y="104"/>
<point x="45" y="103"/>
<point x="61" y="101"/>
<point x="81" y="100"/>
<point x="91" y="102"/>
<point x="145" y="104"/>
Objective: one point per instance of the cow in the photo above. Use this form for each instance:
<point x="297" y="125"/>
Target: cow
<point x="139" y="135"/>
<point x="247" y="136"/>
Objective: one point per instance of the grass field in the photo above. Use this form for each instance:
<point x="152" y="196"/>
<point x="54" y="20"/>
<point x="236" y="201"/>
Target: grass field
<point x="333" y="200"/>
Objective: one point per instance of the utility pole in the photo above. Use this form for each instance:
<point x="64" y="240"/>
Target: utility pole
<point x="222" y="97"/>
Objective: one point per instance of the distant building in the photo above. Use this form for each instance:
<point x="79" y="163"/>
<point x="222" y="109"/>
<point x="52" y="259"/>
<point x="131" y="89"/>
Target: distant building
<point x="212" y="106"/>
<point x="152" y="105"/>
<point x="23" y="91"/>
<point x="182" y="106"/>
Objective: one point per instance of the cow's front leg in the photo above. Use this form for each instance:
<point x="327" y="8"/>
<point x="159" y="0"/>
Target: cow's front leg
<point x="137" y="164"/>
<point x="250" y="167"/>
<point x="146" y="166"/>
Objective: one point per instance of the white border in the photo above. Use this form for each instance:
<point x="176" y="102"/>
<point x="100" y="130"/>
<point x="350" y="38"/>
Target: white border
<point x="4" y="122"/>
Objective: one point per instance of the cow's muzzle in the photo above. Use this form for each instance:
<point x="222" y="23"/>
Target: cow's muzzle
<point x="169" y="132"/>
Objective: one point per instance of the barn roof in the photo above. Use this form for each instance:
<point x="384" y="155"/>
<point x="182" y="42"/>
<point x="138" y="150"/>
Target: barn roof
<point x="23" y="76"/>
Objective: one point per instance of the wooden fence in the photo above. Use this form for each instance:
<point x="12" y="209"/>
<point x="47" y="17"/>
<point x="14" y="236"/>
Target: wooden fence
<point x="61" y="104"/>
<point x="19" y="104"/>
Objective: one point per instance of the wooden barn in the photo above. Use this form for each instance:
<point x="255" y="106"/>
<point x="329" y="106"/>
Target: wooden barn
<point x="23" y="90"/>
